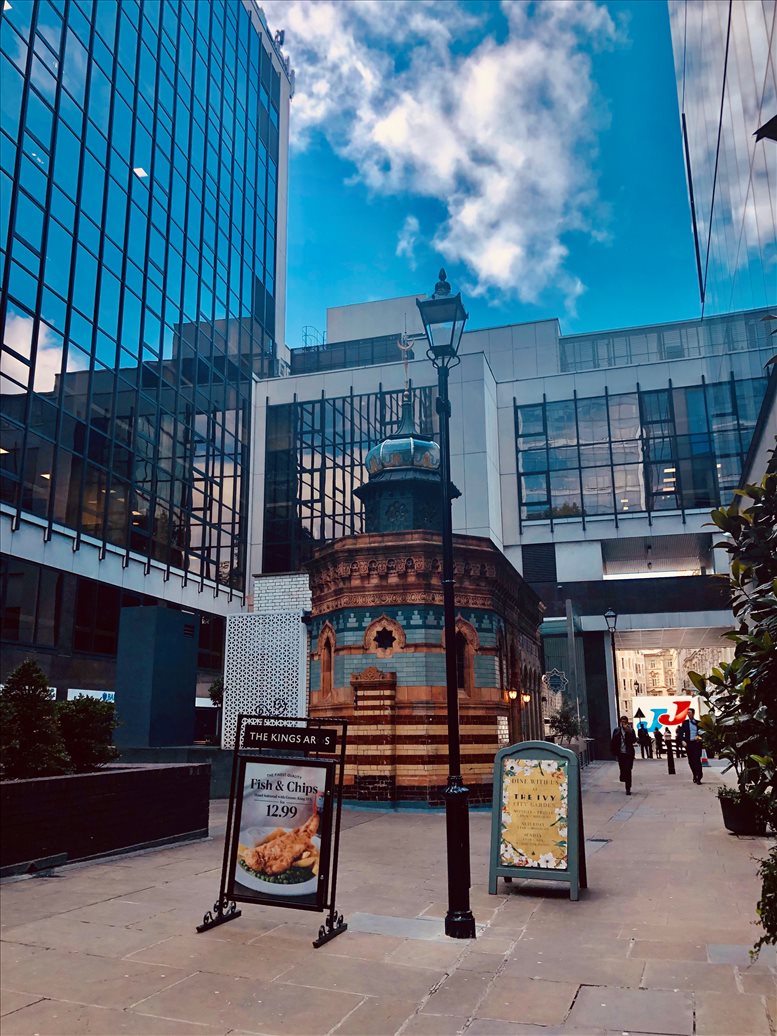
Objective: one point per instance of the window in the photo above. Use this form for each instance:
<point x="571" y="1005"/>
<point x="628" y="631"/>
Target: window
<point x="664" y="449"/>
<point x="326" y="647"/>
<point x="467" y="644"/>
<point x="30" y="602"/>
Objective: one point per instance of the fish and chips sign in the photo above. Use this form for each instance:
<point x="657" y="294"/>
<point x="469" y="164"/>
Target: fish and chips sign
<point x="283" y="822"/>
<point x="537" y="817"/>
<point x="284" y="825"/>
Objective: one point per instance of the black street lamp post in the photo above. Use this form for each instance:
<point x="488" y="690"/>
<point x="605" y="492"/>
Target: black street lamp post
<point x="611" y="618"/>
<point x="443" y="317"/>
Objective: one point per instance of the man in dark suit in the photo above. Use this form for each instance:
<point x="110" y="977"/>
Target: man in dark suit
<point x="690" y="735"/>
<point x="622" y="743"/>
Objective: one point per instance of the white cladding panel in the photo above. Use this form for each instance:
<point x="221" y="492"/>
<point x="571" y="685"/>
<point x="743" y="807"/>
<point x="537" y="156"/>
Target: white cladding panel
<point x="265" y="662"/>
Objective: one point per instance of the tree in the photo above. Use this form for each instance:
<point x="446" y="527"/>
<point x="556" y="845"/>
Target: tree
<point x="216" y="695"/>
<point x="565" y="724"/>
<point x="216" y="692"/>
<point x="87" y="726"/>
<point x="31" y="743"/>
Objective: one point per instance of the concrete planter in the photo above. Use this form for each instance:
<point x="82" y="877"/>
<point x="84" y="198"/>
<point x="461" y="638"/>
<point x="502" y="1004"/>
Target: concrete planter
<point x="117" y="808"/>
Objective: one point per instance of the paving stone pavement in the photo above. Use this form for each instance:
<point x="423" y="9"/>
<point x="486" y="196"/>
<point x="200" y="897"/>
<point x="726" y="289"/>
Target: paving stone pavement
<point x="658" y="944"/>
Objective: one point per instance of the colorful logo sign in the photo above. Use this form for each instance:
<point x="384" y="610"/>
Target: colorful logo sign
<point x="663" y="710"/>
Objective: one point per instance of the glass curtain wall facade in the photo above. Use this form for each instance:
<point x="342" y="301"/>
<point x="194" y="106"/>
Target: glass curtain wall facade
<point x="741" y="335"/>
<point x="315" y="459"/>
<point x="45" y="608"/>
<point x="361" y="352"/>
<point x="725" y="57"/>
<point x="140" y="146"/>
<point x="644" y="451"/>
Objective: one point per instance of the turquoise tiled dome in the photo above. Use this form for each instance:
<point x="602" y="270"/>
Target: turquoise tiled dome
<point x="403" y="489"/>
<point x="404" y="449"/>
<point x="407" y="452"/>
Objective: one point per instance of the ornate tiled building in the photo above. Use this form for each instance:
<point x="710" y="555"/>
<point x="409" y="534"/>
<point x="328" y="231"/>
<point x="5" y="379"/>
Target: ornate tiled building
<point x="377" y="643"/>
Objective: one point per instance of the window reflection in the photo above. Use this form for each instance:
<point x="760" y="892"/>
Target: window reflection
<point x="666" y="449"/>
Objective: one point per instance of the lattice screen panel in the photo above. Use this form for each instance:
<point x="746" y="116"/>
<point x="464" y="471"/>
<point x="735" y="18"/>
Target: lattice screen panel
<point x="264" y="667"/>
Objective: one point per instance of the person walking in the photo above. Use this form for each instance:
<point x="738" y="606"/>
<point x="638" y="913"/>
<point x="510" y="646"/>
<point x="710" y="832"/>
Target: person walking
<point x="645" y="745"/>
<point x="690" y="736"/>
<point x="659" y="738"/>
<point x="622" y="743"/>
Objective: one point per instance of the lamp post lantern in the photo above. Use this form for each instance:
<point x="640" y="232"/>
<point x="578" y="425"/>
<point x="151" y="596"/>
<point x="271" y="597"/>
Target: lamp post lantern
<point x="514" y="718"/>
<point x="443" y="317"/>
<point x="611" y="618"/>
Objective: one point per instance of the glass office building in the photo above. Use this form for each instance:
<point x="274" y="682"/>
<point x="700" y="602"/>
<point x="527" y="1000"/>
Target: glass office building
<point x="726" y="69"/>
<point x="666" y="429"/>
<point x="141" y="145"/>
<point x="142" y="231"/>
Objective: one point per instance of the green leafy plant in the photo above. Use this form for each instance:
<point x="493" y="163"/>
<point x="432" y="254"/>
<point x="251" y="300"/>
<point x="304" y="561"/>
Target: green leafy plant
<point x="31" y="743"/>
<point x="767" y="904"/>
<point x="565" y="724"/>
<point x="87" y="727"/>
<point x="742" y="694"/>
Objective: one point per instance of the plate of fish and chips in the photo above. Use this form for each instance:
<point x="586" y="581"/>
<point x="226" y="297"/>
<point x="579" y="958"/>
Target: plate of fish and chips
<point x="280" y="861"/>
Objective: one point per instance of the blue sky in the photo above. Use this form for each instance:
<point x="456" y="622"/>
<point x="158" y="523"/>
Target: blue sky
<point x="533" y="150"/>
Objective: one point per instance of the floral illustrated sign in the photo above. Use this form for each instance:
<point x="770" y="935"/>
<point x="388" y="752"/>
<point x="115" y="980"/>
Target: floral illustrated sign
<point x="537" y="816"/>
<point x="534" y="813"/>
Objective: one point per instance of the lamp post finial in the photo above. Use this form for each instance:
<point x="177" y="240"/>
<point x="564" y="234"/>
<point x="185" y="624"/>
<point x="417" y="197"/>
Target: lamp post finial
<point x="442" y="289"/>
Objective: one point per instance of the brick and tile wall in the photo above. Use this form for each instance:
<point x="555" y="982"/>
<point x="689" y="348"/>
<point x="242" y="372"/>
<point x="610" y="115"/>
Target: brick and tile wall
<point x="393" y="692"/>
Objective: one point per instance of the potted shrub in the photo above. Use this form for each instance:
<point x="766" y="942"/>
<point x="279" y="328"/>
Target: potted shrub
<point x="742" y="725"/>
<point x="565" y="725"/>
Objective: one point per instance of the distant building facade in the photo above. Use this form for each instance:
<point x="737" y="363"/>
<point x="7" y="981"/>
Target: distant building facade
<point x="591" y="461"/>
<point x="143" y="256"/>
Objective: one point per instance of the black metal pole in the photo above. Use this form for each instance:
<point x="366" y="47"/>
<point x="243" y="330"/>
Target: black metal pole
<point x="459" y="920"/>
<point x="669" y="757"/>
<point x="615" y="678"/>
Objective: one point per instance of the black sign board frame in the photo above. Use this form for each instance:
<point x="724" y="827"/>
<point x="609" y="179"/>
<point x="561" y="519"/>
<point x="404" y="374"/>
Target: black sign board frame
<point x="318" y="747"/>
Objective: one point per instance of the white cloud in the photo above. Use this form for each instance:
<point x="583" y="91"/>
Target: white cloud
<point x="48" y="359"/>
<point x="502" y="131"/>
<point x="407" y="238"/>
